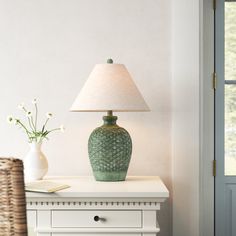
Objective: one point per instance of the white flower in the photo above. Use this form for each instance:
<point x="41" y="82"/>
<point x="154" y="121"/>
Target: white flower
<point x="21" y="106"/>
<point x="10" y="119"/>
<point x="34" y="101"/>
<point x="62" y="128"/>
<point x="29" y="114"/>
<point x="16" y="121"/>
<point x="49" y="115"/>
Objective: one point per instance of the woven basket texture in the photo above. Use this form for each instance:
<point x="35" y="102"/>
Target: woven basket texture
<point x="13" y="220"/>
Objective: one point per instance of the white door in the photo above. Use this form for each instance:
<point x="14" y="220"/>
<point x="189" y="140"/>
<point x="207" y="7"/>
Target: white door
<point x="225" y="118"/>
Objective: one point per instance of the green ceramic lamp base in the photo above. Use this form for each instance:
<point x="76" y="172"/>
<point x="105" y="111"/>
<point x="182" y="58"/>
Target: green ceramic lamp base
<point x="110" y="149"/>
<point x="110" y="176"/>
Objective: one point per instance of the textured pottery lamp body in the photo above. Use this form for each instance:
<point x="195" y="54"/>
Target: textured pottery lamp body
<point x="110" y="149"/>
<point x="109" y="88"/>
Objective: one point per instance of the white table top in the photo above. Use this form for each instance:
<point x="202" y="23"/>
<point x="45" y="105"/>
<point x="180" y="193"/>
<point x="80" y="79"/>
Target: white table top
<point x="87" y="187"/>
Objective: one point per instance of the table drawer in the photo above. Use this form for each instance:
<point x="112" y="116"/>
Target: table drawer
<point x="75" y="218"/>
<point x="31" y="222"/>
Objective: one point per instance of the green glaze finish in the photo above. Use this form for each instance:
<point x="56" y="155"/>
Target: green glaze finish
<point x="109" y="61"/>
<point x="110" y="149"/>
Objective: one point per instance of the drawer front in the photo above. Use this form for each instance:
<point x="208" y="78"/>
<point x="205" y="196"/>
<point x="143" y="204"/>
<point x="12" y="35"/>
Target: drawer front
<point x="31" y="222"/>
<point x="72" y="218"/>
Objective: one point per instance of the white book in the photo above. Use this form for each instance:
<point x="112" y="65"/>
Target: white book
<point x="45" y="186"/>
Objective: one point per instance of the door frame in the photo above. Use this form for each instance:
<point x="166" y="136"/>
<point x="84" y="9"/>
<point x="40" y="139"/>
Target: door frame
<point x="206" y="126"/>
<point x="219" y="117"/>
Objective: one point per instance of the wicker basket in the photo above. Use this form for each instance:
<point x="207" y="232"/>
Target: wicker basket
<point x="13" y="220"/>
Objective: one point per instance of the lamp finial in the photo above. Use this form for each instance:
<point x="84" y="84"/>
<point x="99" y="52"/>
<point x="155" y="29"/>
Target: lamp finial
<point x="109" y="61"/>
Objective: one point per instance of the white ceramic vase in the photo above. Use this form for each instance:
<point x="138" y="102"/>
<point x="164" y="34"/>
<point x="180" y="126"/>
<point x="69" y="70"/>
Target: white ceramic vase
<point x="35" y="163"/>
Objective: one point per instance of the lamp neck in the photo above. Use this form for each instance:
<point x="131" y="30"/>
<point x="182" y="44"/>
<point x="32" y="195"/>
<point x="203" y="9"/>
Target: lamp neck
<point x="109" y="113"/>
<point x="109" y="120"/>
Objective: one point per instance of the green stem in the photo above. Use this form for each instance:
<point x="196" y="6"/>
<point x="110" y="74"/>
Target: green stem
<point x="41" y="138"/>
<point x="26" y="130"/>
<point x="32" y="127"/>
<point x="45" y="124"/>
<point x="53" y="130"/>
<point x="36" y="115"/>
<point x="32" y="122"/>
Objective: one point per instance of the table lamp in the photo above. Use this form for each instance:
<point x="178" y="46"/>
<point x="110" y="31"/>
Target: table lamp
<point x="109" y="88"/>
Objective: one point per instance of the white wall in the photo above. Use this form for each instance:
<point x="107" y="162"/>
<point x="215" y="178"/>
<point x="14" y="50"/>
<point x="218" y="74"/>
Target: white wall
<point x="185" y="116"/>
<point x="47" y="50"/>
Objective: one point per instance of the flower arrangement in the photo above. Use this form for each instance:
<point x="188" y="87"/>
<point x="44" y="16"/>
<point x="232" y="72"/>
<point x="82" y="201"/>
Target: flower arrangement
<point x="31" y="127"/>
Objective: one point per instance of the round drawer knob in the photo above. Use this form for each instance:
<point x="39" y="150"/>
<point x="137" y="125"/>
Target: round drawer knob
<point x="96" y="218"/>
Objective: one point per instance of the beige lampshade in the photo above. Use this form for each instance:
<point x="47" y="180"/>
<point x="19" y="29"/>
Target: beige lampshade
<point x="109" y="87"/>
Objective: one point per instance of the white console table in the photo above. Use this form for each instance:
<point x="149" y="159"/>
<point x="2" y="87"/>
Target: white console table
<point x="92" y="208"/>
